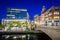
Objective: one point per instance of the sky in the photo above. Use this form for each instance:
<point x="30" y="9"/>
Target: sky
<point x="33" y="6"/>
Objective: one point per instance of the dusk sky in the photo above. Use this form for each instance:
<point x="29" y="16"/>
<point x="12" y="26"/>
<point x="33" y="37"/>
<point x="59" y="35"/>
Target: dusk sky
<point x="33" y="6"/>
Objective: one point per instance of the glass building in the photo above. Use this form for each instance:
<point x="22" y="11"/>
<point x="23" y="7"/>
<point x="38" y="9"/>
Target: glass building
<point x="14" y="13"/>
<point x="16" y="18"/>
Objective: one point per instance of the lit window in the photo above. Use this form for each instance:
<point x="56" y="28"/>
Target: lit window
<point x="10" y="15"/>
<point x="13" y="17"/>
<point x="56" y="17"/>
<point x="46" y="15"/>
<point x="57" y="23"/>
<point x="46" y="18"/>
<point x="49" y="14"/>
<point x="56" y="13"/>
<point x="50" y="17"/>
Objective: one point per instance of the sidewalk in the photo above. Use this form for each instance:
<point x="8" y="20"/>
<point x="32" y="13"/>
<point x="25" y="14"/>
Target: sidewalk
<point x="52" y="27"/>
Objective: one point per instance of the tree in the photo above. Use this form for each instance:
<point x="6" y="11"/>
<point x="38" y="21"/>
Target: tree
<point x="26" y="23"/>
<point x="18" y="24"/>
<point x="32" y="25"/>
<point x="1" y="26"/>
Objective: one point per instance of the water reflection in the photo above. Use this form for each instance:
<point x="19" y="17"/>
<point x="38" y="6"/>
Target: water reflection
<point x="19" y="37"/>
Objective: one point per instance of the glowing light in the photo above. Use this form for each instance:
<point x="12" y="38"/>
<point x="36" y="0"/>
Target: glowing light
<point x="14" y="37"/>
<point x="56" y="17"/>
<point x="6" y="28"/>
<point x="23" y="36"/>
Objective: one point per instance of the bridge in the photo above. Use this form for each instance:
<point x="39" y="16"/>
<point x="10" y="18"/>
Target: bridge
<point x="53" y="32"/>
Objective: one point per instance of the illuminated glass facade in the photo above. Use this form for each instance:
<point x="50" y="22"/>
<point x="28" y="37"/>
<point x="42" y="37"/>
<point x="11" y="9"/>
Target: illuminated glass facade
<point x="16" y="19"/>
<point x="16" y="14"/>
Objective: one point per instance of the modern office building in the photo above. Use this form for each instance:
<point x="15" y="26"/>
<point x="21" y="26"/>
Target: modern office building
<point x="13" y="13"/>
<point x="16" y="18"/>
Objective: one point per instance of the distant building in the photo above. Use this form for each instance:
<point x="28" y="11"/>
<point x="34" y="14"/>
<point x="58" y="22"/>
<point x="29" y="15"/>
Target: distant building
<point x="42" y="16"/>
<point x="37" y="20"/>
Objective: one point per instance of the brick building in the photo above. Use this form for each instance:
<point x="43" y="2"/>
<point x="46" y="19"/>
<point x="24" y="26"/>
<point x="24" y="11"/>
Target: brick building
<point x="37" y="20"/>
<point x="42" y="16"/>
<point x="52" y="16"/>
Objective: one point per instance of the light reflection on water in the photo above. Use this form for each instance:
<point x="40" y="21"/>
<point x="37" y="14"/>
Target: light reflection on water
<point x="19" y="37"/>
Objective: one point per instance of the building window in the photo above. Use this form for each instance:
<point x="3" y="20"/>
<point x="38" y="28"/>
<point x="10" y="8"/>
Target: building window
<point x="46" y="15"/>
<point x="56" y="13"/>
<point x="50" y="17"/>
<point x="57" y="23"/>
<point x="56" y="17"/>
<point x="13" y="17"/>
<point x="46" y="18"/>
<point x="49" y="14"/>
<point x="49" y="22"/>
